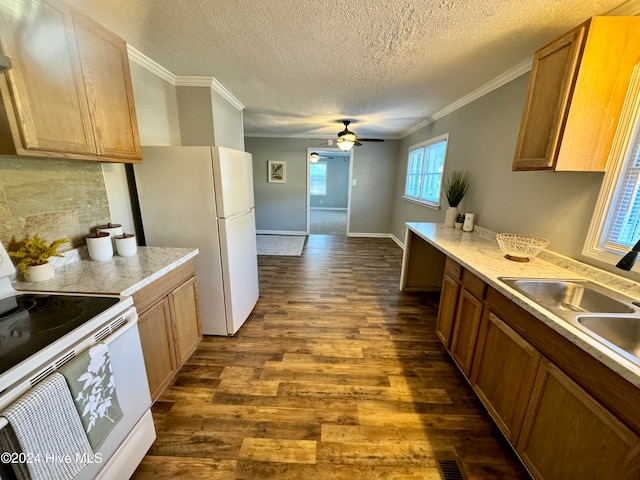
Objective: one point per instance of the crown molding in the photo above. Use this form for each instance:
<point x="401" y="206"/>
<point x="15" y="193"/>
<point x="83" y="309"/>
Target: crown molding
<point x="136" y="56"/>
<point x="630" y="7"/>
<point x="213" y="84"/>
<point x="488" y="87"/>
<point x="139" y="58"/>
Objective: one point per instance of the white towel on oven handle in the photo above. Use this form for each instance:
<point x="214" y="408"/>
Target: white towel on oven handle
<point x="49" y="432"/>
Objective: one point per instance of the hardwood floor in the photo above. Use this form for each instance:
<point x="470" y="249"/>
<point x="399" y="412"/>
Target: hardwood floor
<point x="336" y="375"/>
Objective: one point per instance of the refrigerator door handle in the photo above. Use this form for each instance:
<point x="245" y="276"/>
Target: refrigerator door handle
<point x="237" y="215"/>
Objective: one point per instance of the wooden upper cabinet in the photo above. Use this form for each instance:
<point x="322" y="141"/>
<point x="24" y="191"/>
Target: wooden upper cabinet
<point x="45" y="105"/>
<point x="68" y="93"/>
<point x="576" y="92"/>
<point x="105" y="67"/>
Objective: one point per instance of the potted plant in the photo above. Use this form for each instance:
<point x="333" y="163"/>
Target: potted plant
<point x="455" y="189"/>
<point x="33" y="256"/>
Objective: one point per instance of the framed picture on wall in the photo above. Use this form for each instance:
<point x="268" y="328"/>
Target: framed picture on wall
<point x="277" y="171"/>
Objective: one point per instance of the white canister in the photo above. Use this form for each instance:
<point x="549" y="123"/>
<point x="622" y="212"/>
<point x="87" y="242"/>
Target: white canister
<point x="99" y="246"/>
<point x="467" y="226"/>
<point x="126" y="244"/>
<point x="112" y="229"/>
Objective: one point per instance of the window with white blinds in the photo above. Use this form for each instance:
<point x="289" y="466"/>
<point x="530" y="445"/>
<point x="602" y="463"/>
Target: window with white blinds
<point x="318" y="179"/>
<point x="624" y="229"/>
<point x="424" y="171"/>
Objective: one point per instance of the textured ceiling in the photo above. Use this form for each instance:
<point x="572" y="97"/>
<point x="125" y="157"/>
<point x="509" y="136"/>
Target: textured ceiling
<point x="301" y="66"/>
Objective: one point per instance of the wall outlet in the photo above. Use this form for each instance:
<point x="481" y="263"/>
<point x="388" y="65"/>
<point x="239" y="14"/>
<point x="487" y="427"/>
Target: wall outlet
<point x="354" y="182"/>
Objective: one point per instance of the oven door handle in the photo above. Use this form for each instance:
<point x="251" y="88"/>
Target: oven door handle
<point x="131" y="318"/>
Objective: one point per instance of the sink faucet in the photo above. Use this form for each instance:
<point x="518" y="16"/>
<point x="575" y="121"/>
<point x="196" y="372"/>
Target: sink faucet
<point x="626" y="263"/>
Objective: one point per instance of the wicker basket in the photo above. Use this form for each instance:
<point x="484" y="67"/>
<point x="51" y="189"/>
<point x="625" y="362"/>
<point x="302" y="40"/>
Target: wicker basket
<point x="520" y="248"/>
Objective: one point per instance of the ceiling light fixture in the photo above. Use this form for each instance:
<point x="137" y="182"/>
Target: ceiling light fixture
<point x="314" y="157"/>
<point x="347" y="142"/>
<point x="346" y="138"/>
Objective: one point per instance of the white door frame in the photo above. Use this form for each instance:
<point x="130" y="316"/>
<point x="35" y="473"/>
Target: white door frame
<point x="328" y="149"/>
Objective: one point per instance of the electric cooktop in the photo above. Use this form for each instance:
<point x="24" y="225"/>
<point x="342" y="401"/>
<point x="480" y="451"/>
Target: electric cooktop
<point x="30" y="322"/>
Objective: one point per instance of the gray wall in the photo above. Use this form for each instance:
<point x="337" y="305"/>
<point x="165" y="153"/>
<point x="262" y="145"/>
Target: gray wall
<point x="282" y="207"/>
<point x="483" y="135"/>
<point x="227" y="123"/>
<point x="156" y="108"/>
<point x="337" y="184"/>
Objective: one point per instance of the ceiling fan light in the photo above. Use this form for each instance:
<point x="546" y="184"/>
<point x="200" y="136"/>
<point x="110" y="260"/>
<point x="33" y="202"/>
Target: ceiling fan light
<point x="345" y="144"/>
<point x="314" y="157"/>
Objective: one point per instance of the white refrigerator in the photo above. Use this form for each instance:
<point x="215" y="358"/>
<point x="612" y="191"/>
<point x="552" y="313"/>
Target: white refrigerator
<point x="202" y="197"/>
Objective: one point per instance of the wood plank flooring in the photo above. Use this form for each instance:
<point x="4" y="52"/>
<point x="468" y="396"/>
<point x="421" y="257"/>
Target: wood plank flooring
<point x="336" y="375"/>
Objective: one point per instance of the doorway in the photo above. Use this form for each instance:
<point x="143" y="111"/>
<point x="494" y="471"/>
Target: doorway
<point x="328" y="191"/>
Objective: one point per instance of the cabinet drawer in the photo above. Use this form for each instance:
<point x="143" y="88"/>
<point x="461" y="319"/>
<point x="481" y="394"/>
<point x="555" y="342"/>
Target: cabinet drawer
<point x="473" y="284"/>
<point x="453" y="269"/>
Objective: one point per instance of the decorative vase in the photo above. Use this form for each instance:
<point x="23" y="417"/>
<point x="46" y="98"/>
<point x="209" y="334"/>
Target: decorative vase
<point x="39" y="273"/>
<point x="450" y="217"/>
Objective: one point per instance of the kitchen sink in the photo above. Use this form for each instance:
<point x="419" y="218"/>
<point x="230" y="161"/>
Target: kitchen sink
<point x="570" y="295"/>
<point x="609" y="317"/>
<point x="623" y="332"/>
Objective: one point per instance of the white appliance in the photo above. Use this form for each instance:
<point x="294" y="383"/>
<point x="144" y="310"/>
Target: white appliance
<point x="41" y="332"/>
<point x="202" y="197"/>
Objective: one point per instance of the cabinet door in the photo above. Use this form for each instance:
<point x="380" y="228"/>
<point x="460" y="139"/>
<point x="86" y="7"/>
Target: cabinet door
<point x="504" y="370"/>
<point x="465" y="330"/>
<point x="567" y="434"/>
<point x="156" y="338"/>
<point x="447" y="309"/>
<point x="105" y="66"/>
<point x="553" y="74"/>
<point x="44" y="99"/>
<point x="185" y="318"/>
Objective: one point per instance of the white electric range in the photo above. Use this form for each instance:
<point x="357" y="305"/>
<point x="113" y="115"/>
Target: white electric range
<point x="40" y="332"/>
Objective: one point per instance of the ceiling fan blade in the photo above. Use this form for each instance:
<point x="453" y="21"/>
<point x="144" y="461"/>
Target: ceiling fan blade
<point x="357" y="143"/>
<point x="370" y="139"/>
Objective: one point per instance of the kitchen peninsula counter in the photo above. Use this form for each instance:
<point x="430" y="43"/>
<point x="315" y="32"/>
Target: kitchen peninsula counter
<point x="479" y="253"/>
<point x="116" y="276"/>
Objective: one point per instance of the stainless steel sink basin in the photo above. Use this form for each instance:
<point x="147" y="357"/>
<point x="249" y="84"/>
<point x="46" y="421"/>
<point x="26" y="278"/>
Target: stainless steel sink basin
<point x="570" y="295"/>
<point x="609" y="317"/>
<point x="623" y="332"/>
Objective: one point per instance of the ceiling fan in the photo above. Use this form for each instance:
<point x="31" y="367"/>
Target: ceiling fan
<point x="347" y="139"/>
<point x="315" y="156"/>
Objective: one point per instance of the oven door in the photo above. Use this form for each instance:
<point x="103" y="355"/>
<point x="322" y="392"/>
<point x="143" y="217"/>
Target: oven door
<point x="127" y="443"/>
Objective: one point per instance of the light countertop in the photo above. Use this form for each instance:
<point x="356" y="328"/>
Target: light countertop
<point x="117" y="276"/>
<point x="479" y="253"/>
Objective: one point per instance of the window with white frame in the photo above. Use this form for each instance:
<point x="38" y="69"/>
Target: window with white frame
<point x="318" y="179"/>
<point x="424" y="171"/>
<point x="615" y="226"/>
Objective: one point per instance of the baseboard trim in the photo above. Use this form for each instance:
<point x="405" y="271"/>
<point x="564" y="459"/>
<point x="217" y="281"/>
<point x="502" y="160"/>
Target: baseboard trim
<point x="279" y="232"/>
<point x="370" y="235"/>
<point x="395" y="239"/>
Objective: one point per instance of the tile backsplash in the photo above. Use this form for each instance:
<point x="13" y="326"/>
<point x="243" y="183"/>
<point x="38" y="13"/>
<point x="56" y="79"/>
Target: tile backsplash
<point x="53" y="198"/>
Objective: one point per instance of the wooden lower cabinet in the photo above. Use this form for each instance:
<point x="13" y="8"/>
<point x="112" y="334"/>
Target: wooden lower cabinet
<point x="566" y="415"/>
<point x="169" y="324"/>
<point x="186" y="324"/>
<point x="447" y="309"/>
<point x="156" y="337"/>
<point x="567" y="434"/>
<point x="504" y="371"/>
<point x="465" y="330"/>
